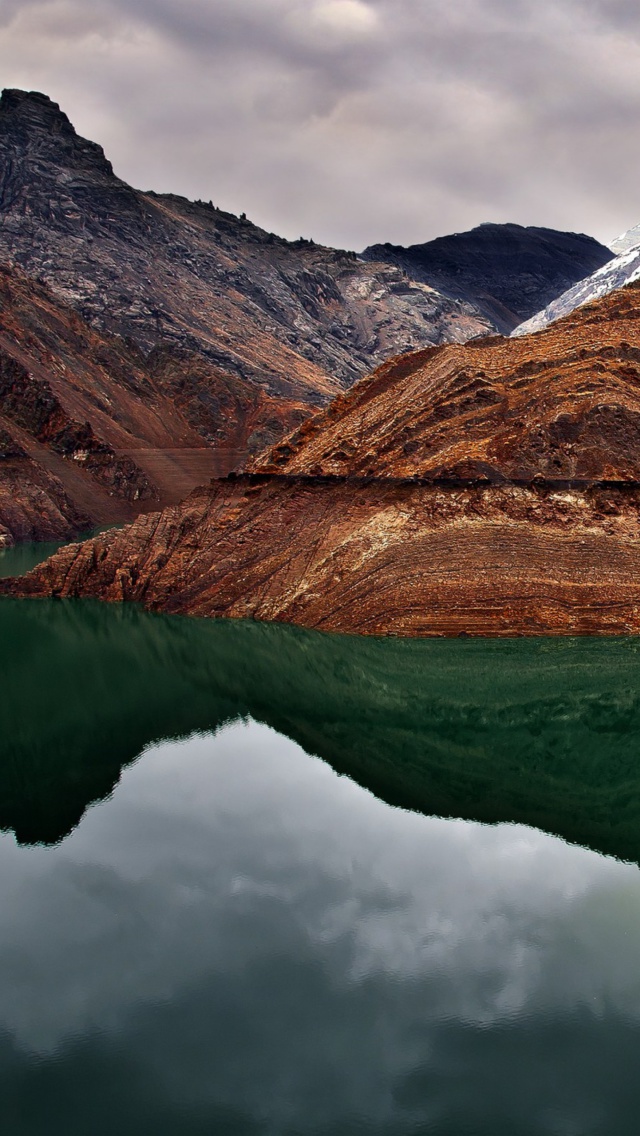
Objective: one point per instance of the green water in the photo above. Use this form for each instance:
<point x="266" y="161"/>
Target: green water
<point x="23" y="557"/>
<point x="544" y="732"/>
<point x="16" y="561"/>
<point x="205" y="927"/>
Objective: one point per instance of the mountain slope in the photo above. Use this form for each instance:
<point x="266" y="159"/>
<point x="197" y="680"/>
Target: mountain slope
<point x="626" y="241"/>
<point x="92" y="433"/>
<point x="373" y="549"/>
<point x="622" y="270"/>
<point x="509" y="272"/>
<point x="564" y="405"/>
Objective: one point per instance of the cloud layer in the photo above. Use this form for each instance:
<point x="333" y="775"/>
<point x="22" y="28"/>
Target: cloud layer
<point x="353" y="121"/>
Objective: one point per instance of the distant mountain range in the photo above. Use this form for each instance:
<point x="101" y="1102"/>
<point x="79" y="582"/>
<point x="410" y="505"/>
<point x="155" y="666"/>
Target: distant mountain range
<point x="507" y="272"/>
<point x="623" y="269"/>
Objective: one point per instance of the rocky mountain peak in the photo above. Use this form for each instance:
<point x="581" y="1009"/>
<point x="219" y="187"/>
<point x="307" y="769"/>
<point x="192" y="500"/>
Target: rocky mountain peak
<point x="35" y="110"/>
<point x="34" y="127"/>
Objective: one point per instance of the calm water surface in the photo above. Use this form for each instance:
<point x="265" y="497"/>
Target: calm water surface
<point x="207" y="928"/>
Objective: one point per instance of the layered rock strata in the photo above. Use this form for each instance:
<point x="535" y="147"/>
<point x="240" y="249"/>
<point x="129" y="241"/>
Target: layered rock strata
<point x="379" y="558"/>
<point x="515" y="508"/>
<point x="563" y="405"/>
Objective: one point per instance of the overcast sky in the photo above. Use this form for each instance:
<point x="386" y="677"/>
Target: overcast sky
<point x="353" y="121"/>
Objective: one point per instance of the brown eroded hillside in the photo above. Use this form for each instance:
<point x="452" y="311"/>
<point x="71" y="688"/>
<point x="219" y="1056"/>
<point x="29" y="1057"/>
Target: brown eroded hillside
<point x="384" y="541"/>
<point x="91" y="432"/>
<point x="563" y="404"/>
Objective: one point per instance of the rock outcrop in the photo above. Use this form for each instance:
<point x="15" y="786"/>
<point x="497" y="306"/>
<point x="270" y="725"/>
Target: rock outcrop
<point x="563" y="405"/>
<point x="373" y="518"/>
<point x="509" y="272"/>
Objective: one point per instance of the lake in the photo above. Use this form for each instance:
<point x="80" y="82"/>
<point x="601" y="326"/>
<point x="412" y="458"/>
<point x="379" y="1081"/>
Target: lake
<point x="257" y="880"/>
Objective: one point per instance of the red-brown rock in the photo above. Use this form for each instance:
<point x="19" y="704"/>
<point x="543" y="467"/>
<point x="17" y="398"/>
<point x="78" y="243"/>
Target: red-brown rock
<point x="500" y="537"/>
<point x="94" y="432"/>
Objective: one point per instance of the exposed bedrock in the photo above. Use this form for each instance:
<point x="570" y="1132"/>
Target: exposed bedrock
<point x="294" y="320"/>
<point x="104" y="432"/>
<point x="490" y="489"/>
<point x="564" y="403"/>
<point x="379" y="558"/>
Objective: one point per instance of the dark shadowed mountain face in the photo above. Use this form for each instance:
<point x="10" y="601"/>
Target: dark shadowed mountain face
<point x="509" y="272"/>
<point x="294" y="319"/>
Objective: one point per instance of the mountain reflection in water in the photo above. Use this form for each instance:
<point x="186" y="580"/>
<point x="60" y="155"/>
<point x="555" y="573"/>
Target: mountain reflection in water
<point x="239" y="942"/>
<point x="543" y="732"/>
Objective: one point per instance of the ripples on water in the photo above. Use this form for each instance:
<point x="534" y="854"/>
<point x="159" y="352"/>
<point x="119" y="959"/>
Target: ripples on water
<point x="234" y="939"/>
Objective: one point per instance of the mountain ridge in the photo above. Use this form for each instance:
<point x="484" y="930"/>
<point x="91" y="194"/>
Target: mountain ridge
<point x="297" y="319"/>
<point x="508" y="271"/>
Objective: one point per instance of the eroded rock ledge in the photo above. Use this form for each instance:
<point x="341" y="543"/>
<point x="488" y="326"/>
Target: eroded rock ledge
<point x="378" y="557"/>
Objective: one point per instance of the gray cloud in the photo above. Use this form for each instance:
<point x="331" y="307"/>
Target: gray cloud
<point x="353" y="120"/>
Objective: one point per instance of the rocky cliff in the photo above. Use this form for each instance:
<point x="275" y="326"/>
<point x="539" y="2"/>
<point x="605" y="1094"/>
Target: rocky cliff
<point x="508" y="272"/>
<point x="515" y="509"/>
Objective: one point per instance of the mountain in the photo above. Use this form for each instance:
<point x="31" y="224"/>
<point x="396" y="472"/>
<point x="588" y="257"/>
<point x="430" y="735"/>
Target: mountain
<point x="174" y="339"/>
<point x="491" y="488"/>
<point x="508" y="272"/>
<point x="562" y="406"/>
<point x="617" y="273"/>
<point x="293" y="318"/>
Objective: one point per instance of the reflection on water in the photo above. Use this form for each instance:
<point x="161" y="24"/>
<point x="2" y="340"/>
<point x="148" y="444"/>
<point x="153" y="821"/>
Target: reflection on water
<point x="233" y="939"/>
<point x="241" y="942"/>
<point x="544" y="732"/>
